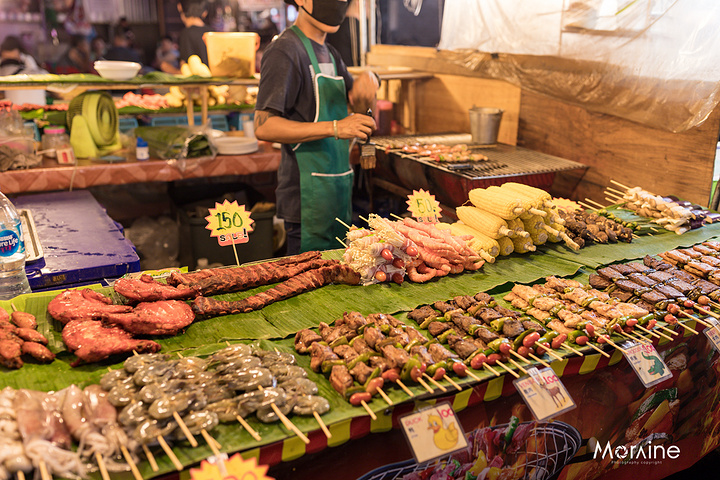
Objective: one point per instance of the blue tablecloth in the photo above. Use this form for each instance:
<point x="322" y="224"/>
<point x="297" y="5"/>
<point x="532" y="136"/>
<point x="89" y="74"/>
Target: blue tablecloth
<point x="81" y="243"/>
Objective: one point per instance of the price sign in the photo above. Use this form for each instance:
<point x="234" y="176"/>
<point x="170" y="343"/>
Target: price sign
<point x="235" y="468"/>
<point x="647" y="363"/>
<point x="544" y="393"/>
<point x="433" y="432"/>
<point x="713" y="334"/>
<point x="423" y="206"/>
<point x="230" y="223"/>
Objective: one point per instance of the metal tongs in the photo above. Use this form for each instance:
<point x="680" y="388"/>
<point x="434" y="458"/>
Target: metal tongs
<point x="367" y="151"/>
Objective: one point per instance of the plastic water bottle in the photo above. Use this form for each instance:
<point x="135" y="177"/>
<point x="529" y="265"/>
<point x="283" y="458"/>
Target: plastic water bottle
<point x="13" y="280"/>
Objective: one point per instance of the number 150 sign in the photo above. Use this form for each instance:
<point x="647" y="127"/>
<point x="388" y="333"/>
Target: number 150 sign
<point x="230" y="223"/>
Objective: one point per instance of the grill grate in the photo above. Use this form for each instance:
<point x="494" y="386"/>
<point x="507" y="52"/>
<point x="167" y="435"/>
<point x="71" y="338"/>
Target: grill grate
<point x="503" y="160"/>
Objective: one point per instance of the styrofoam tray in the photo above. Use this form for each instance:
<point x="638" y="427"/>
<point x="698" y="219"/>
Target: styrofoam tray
<point x="236" y="145"/>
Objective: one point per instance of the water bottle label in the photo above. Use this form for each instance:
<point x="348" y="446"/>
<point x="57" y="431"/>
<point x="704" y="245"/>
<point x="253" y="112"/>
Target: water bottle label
<point x="10" y="243"/>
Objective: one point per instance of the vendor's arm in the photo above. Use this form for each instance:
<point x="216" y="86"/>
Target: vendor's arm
<point x="271" y="127"/>
<point x="363" y="94"/>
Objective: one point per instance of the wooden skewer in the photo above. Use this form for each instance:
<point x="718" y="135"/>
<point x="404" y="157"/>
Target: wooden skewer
<point x="405" y="389"/>
<point x="14" y="308"/>
<point x="20" y="475"/>
<point x="368" y="410"/>
<point x="364" y="219"/>
<point x="714" y="304"/>
<point x="620" y="185"/>
<point x="519" y="367"/>
<point x="168" y="451"/>
<point x="573" y="350"/>
<point x="384" y="396"/>
<point x="599" y="350"/>
<point x="288" y="424"/>
<point x="590" y="200"/>
<point x="549" y="351"/>
<point x="654" y="334"/>
<point x="476" y="378"/>
<point x="151" y="458"/>
<point x="185" y="429"/>
<point x="434" y="382"/>
<point x="452" y="382"/>
<point x="101" y="466"/>
<point x="207" y="436"/>
<point x="690" y="329"/>
<point x="539" y="360"/>
<point x="323" y="427"/>
<point x="425" y="385"/>
<point x="44" y="474"/>
<point x="343" y="223"/>
<point x="509" y="370"/>
<point x="631" y="337"/>
<point x="588" y="206"/>
<point x="247" y="427"/>
<point x="615" y="345"/>
<point x="697" y="319"/>
<point x="341" y="242"/>
<point x="131" y="462"/>
<point x="513" y="352"/>
<point x="615" y="191"/>
<point x="671" y="332"/>
<point x="706" y="312"/>
<point x="211" y="443"/>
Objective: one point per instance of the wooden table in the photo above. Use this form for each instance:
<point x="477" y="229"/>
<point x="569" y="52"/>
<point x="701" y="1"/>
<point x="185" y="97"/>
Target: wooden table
<point x="53" y="176"/>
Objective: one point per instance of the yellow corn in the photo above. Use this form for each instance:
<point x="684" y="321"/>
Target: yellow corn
<point x="523" y="245"/>
<point x="539" y="237"/>
<point x="493" y="200"/>
<point x="533" y="224"/>
<point x="518" y="226"/>
<point x="535" y="197"/>
<point x="485" y="222"/>
<point x="506" y="246"/>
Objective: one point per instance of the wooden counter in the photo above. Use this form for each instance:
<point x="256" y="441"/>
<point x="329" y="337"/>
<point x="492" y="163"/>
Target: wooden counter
<point x="52" y="176"/>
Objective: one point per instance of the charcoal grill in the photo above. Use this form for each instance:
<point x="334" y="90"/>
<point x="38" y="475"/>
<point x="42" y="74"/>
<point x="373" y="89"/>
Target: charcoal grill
<point x="506" y="163"/>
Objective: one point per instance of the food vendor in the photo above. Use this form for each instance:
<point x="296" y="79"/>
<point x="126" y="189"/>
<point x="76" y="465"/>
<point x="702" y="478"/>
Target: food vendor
<point x="303" y="103"/>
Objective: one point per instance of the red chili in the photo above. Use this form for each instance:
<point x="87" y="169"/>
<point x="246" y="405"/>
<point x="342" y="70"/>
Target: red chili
<point x="505" y="348"/>
<point x="415" y="374"/>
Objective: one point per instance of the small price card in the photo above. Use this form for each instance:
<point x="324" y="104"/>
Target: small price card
<point x="713" y="334"/>
<point x="423" y="206"/>
<point x="647" y="363"/>
<point x="433" y="432"/>
<point x="230" y="223"/>
<point x="544" y="393"/>
<point x="233" y="469"/>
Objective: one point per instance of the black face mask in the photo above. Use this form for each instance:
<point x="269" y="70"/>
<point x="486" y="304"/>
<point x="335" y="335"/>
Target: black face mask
<point x="329" y="12"/>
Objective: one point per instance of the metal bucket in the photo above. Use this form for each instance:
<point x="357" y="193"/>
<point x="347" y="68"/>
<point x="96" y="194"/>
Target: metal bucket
<point x="484" y="124"/>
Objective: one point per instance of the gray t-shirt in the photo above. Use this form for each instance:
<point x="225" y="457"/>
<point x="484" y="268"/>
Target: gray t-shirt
<point x="286" y="88"/>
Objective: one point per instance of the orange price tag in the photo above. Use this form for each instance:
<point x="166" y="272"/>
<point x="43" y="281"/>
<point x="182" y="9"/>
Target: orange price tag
<point x="423" y="206"/>
<point x="235" y="468"/>
<point x="230" y="223"/>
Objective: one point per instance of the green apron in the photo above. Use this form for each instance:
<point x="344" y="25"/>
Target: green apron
<point x="325" y="175"/>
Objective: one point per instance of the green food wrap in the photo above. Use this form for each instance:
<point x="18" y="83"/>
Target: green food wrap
<point x="175" y="142"/>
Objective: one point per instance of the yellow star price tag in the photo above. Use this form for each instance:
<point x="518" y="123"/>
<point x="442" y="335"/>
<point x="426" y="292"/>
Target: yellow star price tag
<point x="423" y="206"/>
<point x="236" y="468"/>
<point x="230" y="223"/>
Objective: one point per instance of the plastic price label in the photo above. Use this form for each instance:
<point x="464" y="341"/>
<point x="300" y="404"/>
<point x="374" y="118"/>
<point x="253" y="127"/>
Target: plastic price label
<point x="433" y="432"/>
<point x="713" y="334"/>
<point x="235" y="468"/>
<point x="647" y="363"/>
<point x="230" y="223"/>
<point x="544" y="393"/>
<point x="423" y="206"/>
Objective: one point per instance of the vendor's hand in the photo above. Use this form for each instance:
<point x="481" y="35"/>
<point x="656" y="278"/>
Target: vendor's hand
<point x="363" y="94"/>
<point x="360" y="126"/>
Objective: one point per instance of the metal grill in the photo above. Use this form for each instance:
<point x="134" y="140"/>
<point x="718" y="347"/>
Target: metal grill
<point x="503" y="160"/>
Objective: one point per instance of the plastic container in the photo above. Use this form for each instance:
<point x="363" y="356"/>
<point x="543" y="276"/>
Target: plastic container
<point x="485" y="124"/>
<point x="54" y="138"/>
<point x="232" y="54"/>
<point x="13" y="280"/>
<point x="142" y="151"/>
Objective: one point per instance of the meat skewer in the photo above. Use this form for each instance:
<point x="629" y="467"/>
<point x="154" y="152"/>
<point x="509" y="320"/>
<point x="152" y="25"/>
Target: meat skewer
<point x="311" y="279"/>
